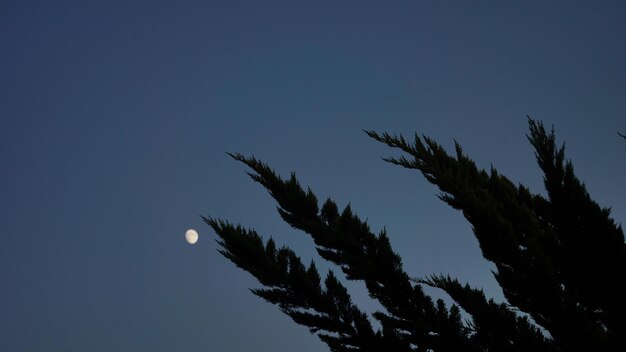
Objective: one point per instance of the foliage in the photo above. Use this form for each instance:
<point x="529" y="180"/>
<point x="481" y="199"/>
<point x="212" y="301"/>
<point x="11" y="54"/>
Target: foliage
<point x="560" y="259"/>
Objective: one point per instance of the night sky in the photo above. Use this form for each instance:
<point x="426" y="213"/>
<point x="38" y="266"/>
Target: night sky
<point x="115" y="117"/>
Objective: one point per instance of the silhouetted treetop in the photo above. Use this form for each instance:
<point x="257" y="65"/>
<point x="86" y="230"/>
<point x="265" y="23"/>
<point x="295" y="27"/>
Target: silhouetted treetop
<point x="561" y="259"/>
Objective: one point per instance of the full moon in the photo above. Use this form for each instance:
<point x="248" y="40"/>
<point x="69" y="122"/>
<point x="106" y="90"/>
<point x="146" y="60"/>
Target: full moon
<point x="191" y="236"/>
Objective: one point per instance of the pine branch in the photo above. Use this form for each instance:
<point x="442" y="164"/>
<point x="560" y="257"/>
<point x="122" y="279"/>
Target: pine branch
<point x="507" y="230"/>
<point x="583" y="230"/>
<point x="297" y="291"/>
<point x="516" y="232"/>
<point x="345" y="240"/>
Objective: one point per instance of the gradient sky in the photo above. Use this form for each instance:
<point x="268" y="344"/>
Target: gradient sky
<point x="115" y="117"/>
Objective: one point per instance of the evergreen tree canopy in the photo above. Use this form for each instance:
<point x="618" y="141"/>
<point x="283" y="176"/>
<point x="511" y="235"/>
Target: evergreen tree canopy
<point x="560" y="259"/>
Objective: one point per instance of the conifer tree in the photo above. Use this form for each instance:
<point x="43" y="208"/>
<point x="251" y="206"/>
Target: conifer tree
<point x="560" y="259"/>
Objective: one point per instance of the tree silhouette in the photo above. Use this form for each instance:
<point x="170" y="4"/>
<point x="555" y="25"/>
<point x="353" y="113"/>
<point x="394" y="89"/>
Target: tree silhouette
<point x="560" y="259"/>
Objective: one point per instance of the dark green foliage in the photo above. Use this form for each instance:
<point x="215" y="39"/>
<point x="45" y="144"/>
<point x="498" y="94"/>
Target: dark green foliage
<point x="560" y="259"/>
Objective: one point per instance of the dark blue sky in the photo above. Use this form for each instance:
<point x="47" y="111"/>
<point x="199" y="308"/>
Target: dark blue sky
<point x="115" y="116"/>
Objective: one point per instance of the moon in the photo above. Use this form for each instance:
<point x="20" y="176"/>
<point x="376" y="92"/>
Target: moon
<point x="191" y="236"/>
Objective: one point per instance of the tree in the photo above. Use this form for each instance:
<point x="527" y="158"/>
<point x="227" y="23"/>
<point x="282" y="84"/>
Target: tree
<point x="560" y="259"/>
